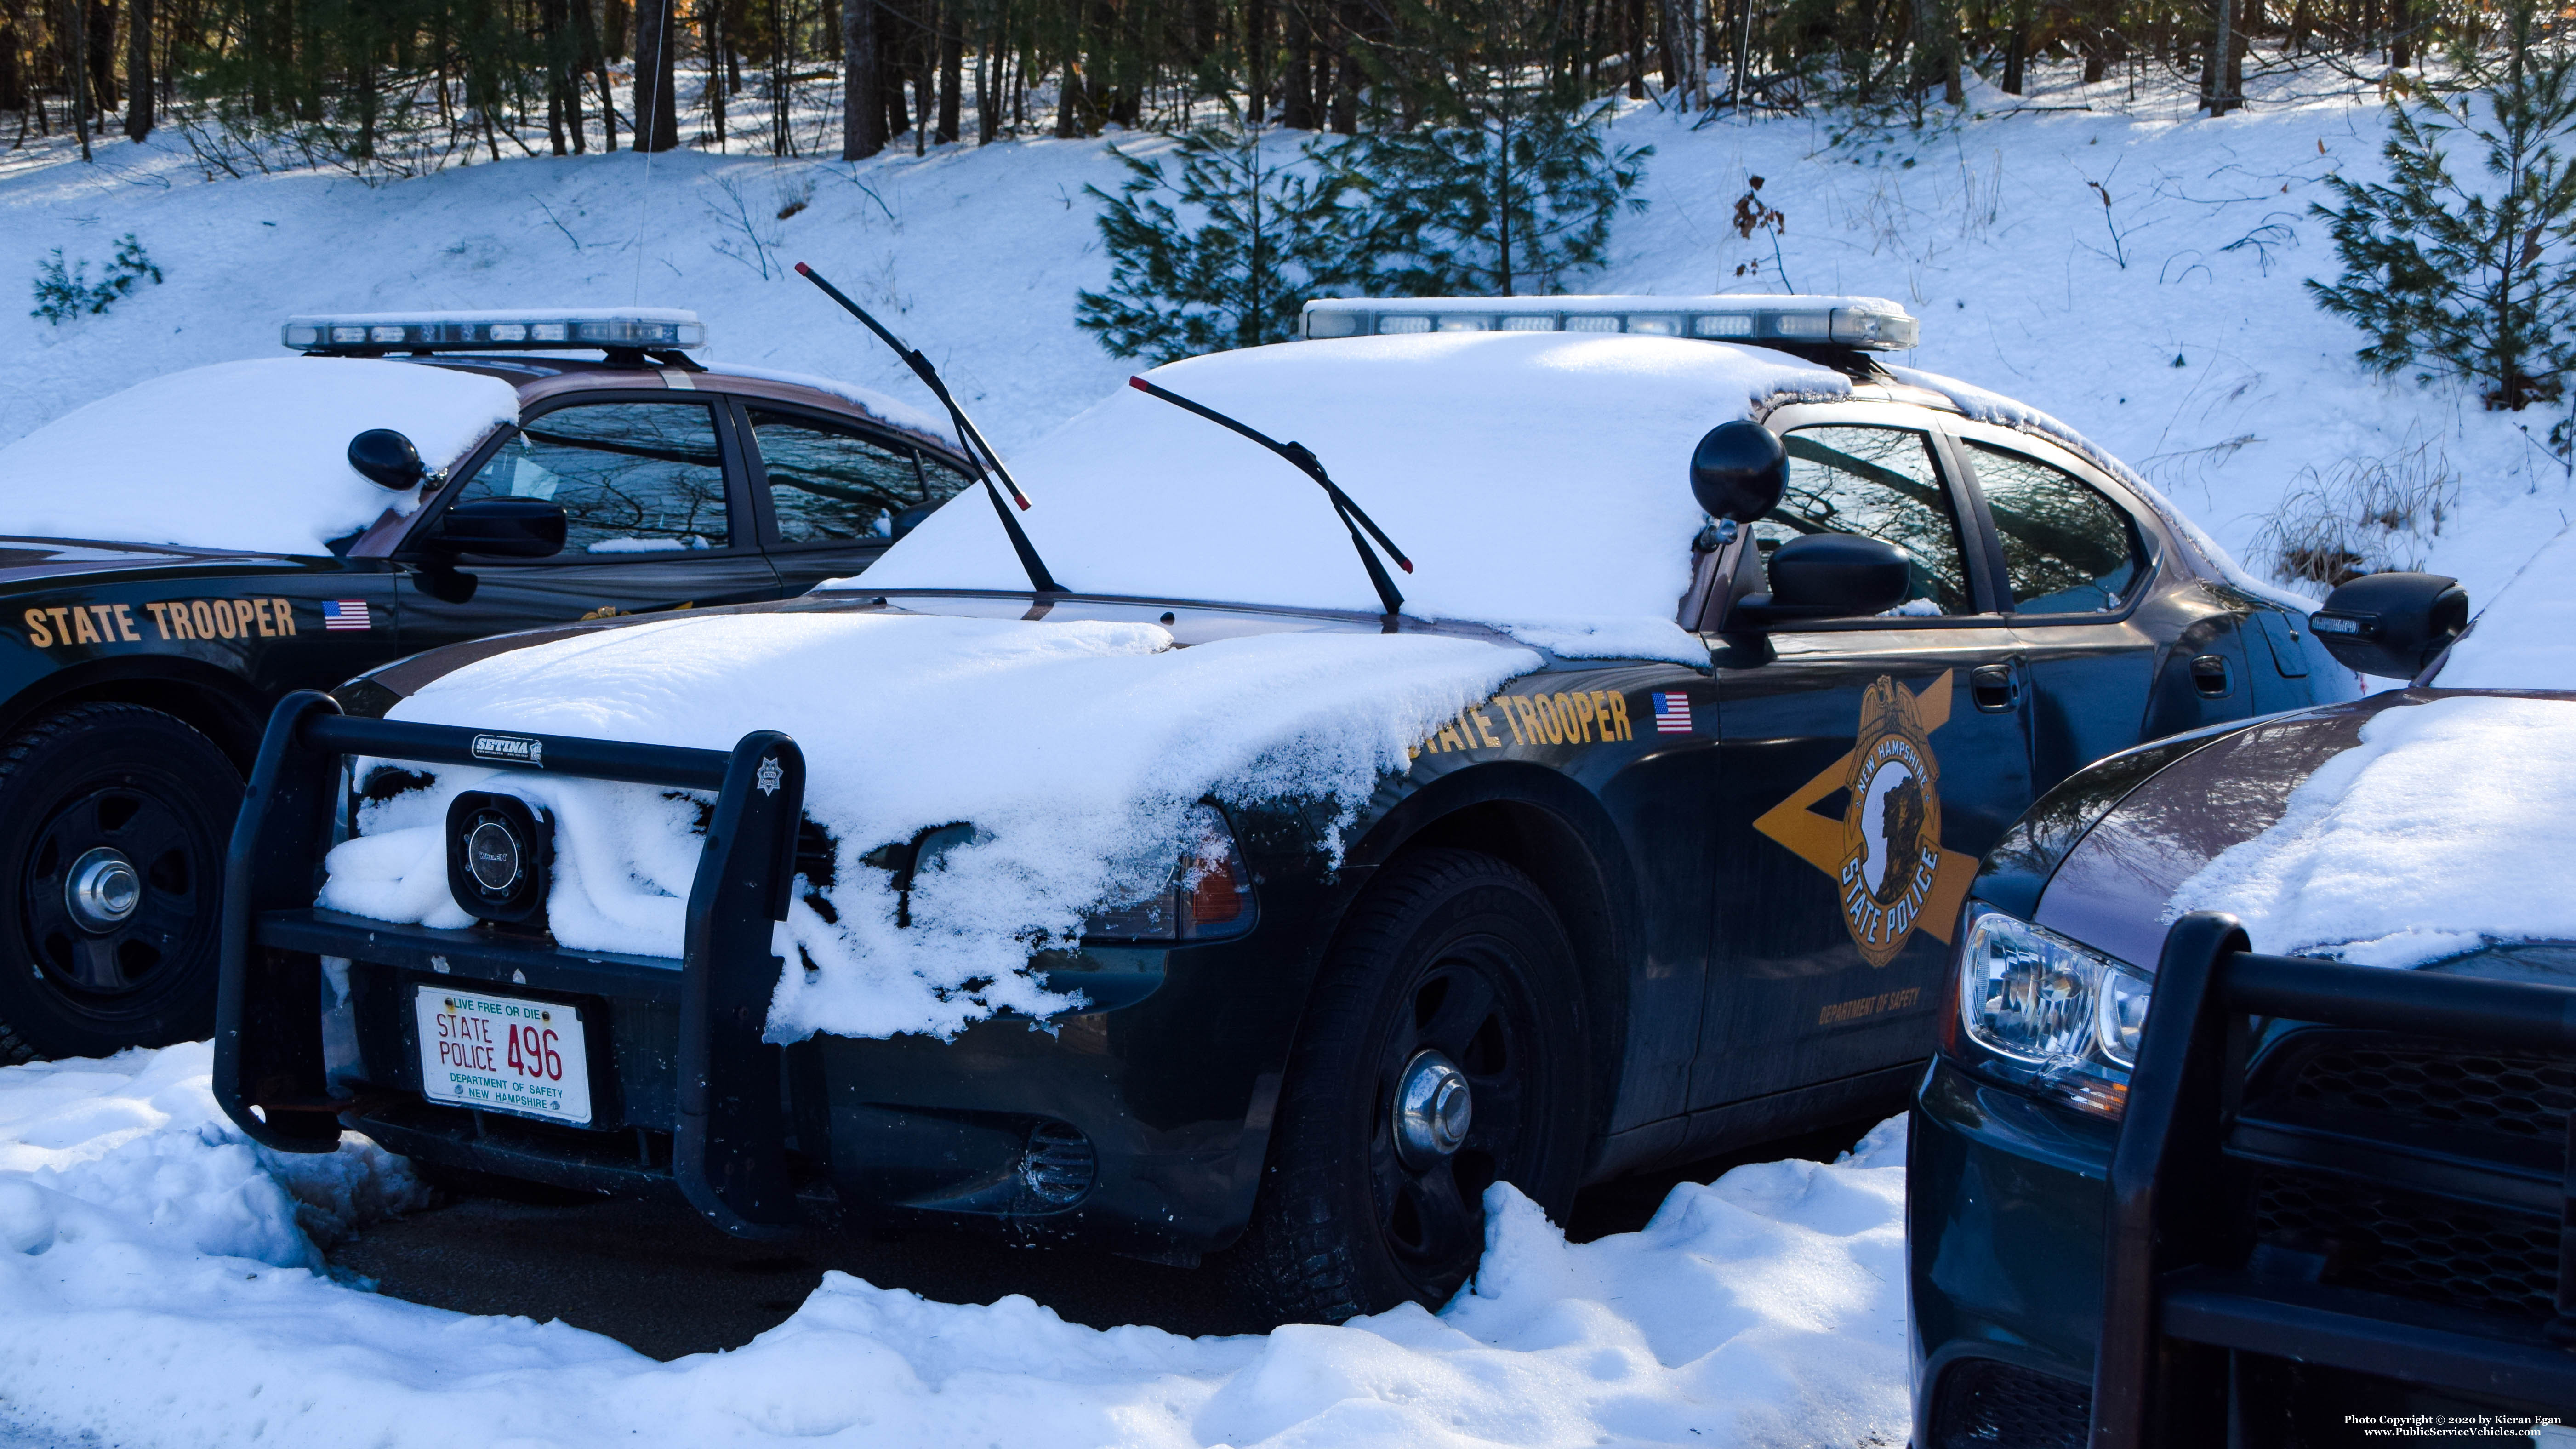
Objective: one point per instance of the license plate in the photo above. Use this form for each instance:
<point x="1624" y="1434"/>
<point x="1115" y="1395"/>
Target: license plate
<point x="503" y="1054"/>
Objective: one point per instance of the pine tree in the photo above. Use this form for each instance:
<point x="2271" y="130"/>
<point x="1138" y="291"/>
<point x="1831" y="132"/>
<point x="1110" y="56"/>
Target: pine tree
<point x="2473" y="277"/>
<point x="1225" y="255"/>
<point x="1508" y="185"/>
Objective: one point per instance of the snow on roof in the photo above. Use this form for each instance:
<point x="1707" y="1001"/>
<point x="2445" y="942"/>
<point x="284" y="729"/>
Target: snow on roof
<point x="140" y="1233"/>
<point x="1539" y="481"/>
<point x="2449" y="825"/>
<point x="875" y="404"/>
<point x="909" y="722"/>
<point x="2525" y="638"/>
<point x="240" y="455"/>
<point x="2003" y="412"/>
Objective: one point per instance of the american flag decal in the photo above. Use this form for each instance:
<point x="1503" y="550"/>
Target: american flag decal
<point x="345" y="614"/>
<point x="1672" y="714"/>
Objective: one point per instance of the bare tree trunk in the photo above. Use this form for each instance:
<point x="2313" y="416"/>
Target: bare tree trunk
<point x="862" y="111"/>
<point x="711" y="22"/>
<point x="952" y="59"/>
<point x="1297" y="97"/>
<point x="76" y="42"/>
<point x="598" y="58"/>
<point x="657" y="47"/>
<point x="1345" y="53"/>
<point x="138" y="69"/>
<point x="2214" y="97"/>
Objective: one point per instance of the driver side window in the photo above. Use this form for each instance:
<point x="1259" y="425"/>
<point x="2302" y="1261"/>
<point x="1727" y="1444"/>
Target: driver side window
<point x="633" y="477"/>
<point x="1878" y="483"/>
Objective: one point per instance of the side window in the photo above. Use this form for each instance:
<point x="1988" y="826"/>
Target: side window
<point x="2067" y="549"/>
<point x="831" y="484"/>
<point x="633" y="477"/>
<point x="1879" y="483"/>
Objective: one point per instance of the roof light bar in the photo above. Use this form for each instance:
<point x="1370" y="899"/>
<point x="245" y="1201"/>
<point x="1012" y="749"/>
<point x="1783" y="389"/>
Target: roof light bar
<point x="1872" y="324"/>
<point x="553" y="329"/>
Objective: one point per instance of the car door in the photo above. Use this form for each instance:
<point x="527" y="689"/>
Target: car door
<point x="834" y="494"/>
<point x="1865" y="765"/>
<point x="2119" y="649"/>
<point x="654" y="502"/>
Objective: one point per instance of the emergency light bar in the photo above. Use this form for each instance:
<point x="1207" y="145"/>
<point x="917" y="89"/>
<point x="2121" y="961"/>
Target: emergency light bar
<point x="559" y="328"/>
<point x="1871" y="323"/>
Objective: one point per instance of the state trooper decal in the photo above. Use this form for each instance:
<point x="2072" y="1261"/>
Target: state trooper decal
<point x="1884" y="853"/>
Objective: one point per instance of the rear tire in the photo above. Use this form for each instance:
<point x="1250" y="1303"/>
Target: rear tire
<point x="137" y="807"/>
<point x="1450" y="953"/>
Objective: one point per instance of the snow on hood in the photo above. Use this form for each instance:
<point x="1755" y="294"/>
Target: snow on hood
<point x="2449" y="825"/>
<point x="155" y="1288"/>
<point x="2525" y="638"/>
<point x="1077" y="748"/>
<point x="1993" y="408"/>
<point x="241" y="455"/>
<point x="1539" y="481"/>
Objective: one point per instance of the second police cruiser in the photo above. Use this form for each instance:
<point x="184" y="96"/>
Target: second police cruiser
<point x="1811" y="630"/>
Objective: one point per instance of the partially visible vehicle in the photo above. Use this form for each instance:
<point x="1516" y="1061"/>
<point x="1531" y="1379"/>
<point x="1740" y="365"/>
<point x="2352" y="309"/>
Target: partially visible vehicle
<point x="176" y="558"/>
<point x="2165" y="1190"/>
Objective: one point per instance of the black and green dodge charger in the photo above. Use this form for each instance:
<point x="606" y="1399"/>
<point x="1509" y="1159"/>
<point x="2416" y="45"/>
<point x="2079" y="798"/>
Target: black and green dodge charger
<point x="178" y="557"/>
<point x="1787" y="636"/>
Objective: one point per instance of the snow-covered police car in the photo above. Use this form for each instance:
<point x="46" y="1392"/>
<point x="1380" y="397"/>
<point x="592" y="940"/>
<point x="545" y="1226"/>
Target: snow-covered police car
<point x="1569" y="755"/>
<point x="2172" y="1185"/>
<point x="176" y="557"/>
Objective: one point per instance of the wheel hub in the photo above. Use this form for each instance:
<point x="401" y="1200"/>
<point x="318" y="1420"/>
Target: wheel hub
<point x="102" y="889"/>
<point x="1433" y="1110"/>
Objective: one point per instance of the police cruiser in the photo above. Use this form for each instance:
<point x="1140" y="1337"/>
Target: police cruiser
<point x="177" y="557"/>
<point x="1590" y="778"/>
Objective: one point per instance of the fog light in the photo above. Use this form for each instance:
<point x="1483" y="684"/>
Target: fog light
<point x="1060" y="1164"/>
<point x="500" y="854"/>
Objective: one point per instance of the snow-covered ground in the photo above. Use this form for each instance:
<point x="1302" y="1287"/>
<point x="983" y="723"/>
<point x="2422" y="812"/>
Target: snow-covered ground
<point x="2170" y="325"/>
<point x="2119" y="263"/>
<point x="161" y="1288"/>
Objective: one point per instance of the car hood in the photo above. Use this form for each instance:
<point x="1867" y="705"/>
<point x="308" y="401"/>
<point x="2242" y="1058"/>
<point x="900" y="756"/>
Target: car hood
<point x="38" y="562"/>
<point x="2323" y="831"/>
<point x="1076" y="745"/>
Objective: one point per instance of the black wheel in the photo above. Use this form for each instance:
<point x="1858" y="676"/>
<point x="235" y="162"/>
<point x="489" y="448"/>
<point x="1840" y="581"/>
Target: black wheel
<point x="1445" y="1050"/>
<point x="113" y="823"/>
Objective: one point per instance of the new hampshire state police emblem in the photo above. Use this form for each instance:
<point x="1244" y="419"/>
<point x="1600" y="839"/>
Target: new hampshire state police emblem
<point x="1892" y="825"/>
<point x="1884" y="852"/>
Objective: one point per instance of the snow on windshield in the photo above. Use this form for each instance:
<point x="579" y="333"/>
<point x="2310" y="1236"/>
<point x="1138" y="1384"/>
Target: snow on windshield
<point x="240" y="455"/>
<point x="1539" y="481"/>
<point x="1077" y="749"/>
<point x="161" y="1288"/>
<point x="2449" y="825"/>
<point x="2526" y="638"/>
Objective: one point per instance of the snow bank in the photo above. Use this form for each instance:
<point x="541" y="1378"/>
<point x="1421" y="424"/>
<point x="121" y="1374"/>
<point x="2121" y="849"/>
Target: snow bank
<point x="2526" y="637"/>
<point x="1539" y="482"/>
<point x="240" y="455"/>
<point x="1076" y="748"/>
<point x="2449" y="824"/>
<point x="155" y="1291"/>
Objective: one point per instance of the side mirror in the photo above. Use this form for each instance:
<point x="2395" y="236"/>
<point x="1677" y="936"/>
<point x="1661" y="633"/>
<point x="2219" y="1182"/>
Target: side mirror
<point x="503" y="528"/>
<point x="1831" y="576"/>
<point x="1738" y="471"/>
<point x="387" y="459"/>
<point x="911" y="518"/>
<point x="2391" y="625"/>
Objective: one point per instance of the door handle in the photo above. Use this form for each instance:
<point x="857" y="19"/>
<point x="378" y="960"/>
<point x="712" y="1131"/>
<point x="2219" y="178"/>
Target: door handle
<point x="1995" y="687"/>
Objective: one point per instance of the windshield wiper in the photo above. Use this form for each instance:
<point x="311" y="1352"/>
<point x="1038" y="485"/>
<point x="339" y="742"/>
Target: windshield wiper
<point x="977" y="450"/>
<point x="1352" y="517"/>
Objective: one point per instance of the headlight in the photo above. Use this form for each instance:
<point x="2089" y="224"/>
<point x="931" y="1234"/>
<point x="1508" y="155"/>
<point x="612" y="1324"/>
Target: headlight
<point x="1209" y="894"/>
<point x="2040" y="1011"/>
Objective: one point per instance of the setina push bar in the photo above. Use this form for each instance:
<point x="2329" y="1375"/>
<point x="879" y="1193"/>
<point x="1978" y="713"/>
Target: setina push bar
<point x="728" y="1153"/>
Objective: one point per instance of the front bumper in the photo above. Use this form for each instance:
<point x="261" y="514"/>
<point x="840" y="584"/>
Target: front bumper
<point x="1137" y="1124"/>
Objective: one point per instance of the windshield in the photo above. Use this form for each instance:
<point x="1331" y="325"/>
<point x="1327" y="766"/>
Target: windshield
<point x="1538" y="481"/>
<point x="242" y="455"/>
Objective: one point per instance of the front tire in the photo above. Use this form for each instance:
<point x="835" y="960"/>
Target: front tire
<point x="113" y="825"/>
<point x="1453" y="974"/>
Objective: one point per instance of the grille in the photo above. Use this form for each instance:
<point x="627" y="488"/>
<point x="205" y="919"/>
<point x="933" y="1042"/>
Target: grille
<point x="2524" y="1097"/>
<point x="2415" y="1246"/>
<point x="1984" y="1402"/>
